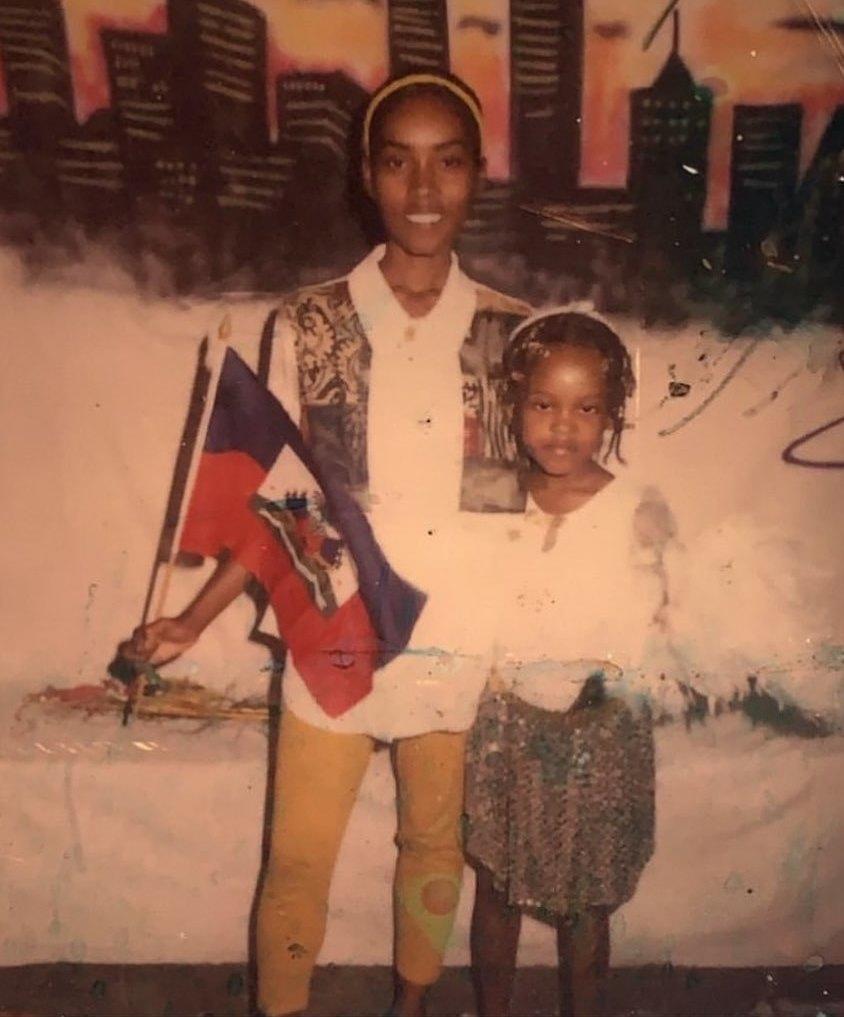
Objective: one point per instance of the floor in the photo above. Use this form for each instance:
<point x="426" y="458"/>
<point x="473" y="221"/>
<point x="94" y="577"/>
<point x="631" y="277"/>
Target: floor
<point x="161" y="990"/>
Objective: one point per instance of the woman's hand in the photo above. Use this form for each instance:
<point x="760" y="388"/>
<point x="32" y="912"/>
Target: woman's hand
<point x="159" y="642"/>
<point x="163" y="640"/>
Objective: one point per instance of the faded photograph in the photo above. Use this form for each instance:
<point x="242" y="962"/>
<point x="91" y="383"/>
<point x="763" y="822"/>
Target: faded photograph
<point x="423" y="438"/>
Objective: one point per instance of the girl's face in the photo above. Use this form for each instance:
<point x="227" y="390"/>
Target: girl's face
<point x="422" y="175"/>
<point x="564" y="410"/>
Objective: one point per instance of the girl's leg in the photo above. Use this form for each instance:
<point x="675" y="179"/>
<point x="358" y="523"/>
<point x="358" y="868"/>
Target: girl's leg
<point x="583" y="949"/>
<point x="494" y="943"/>
<point x="429" y="872"/>
<point x="317" y="777"/>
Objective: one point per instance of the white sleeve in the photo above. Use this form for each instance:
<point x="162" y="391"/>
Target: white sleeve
<point x="284" y="373"/>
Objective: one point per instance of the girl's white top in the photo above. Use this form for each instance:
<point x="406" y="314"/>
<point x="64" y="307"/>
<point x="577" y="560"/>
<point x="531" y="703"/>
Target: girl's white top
<point x="586" y="592"/>
<point x="617" y="587"/>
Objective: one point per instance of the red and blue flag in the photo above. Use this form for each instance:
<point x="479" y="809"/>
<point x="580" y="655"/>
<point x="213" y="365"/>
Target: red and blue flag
<point x="261" y="495"/>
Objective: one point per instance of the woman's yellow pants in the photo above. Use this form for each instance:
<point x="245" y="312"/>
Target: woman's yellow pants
<point x="318" y="774"/>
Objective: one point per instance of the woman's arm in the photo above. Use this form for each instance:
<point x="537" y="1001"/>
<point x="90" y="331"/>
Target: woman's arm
<point x="164" y="639"/>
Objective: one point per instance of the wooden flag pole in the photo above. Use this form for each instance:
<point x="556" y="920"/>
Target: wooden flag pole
<point x="157" y="596"/>
<point x="201" y="403"/>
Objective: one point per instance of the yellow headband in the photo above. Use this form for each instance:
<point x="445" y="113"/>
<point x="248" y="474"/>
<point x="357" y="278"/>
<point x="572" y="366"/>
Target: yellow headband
<point x="419" y="79"/>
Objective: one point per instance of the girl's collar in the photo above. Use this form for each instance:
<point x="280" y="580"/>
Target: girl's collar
<point x="619" y="483"/>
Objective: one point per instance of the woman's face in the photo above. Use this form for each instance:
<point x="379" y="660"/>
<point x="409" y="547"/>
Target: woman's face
<point x="422" y="175"/>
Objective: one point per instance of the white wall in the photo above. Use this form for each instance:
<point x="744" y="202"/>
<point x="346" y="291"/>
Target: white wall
<point x="116" y="852"/>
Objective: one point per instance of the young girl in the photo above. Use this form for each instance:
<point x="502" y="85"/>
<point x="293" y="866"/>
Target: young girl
<point x="560" y="776"/>
<point x="394" y="374"/>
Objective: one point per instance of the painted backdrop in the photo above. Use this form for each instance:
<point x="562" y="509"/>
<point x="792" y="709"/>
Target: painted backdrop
<point x="679" y="168"/>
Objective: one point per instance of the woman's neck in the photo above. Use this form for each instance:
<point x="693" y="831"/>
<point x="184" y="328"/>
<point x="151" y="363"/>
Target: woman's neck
<point x="558" y="495"/>
<point x="417" y="282"/>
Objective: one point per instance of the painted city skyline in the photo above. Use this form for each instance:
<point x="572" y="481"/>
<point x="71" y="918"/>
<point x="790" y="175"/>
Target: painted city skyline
<point x="746" y="55"/>
<point x="206" y="159"/>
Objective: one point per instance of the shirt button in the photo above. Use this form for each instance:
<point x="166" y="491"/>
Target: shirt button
<point x="410" y="333"/>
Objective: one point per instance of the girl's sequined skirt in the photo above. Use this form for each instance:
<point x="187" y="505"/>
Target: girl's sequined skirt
<point x="560" y="805"/>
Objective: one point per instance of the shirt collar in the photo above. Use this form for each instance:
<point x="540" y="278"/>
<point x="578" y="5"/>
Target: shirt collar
<point x="376" y="304"/>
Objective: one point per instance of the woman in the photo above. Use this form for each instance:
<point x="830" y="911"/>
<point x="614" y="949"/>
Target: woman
<point x="394" y="373"/>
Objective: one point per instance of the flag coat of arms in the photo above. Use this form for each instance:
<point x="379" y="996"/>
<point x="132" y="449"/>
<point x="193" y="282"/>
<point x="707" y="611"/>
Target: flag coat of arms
<point x="260" y="495"/>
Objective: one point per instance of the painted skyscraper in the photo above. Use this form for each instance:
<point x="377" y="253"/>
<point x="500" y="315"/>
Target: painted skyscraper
<point x="33" y="51"/>
<point x="546" y="88"/>
<point x="418" y="35"/>
<point x="140" y="75"/>
<point x="90" y="173"/>
<point x="220" y="73"/>
<point x="763" y="178"/>
<point x="317" y="110"/>
<point x="808" y="239"/>
<point x="669" y="141"/>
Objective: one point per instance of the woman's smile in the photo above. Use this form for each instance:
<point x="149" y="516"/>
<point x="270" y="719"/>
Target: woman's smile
<point x="424" y="218"/>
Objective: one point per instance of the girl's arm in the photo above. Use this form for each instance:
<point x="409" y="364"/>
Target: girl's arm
<point x="165" y="639"/>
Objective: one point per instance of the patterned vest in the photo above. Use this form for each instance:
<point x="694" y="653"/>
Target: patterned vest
<point x="333" y="357"/>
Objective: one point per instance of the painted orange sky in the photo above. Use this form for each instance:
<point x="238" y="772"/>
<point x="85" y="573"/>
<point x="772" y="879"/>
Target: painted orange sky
<point x="735" y="47"/>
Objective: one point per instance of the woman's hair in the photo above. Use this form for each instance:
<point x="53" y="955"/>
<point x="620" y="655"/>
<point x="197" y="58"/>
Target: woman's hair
<point x="447" y="87"/>
<point x="551" y="330"/>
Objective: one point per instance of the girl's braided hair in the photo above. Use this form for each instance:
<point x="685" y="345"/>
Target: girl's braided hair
<point x="539" y="335"/>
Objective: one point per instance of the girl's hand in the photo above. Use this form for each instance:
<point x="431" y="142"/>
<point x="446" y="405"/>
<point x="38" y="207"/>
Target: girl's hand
<point x="159" y="642"/>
